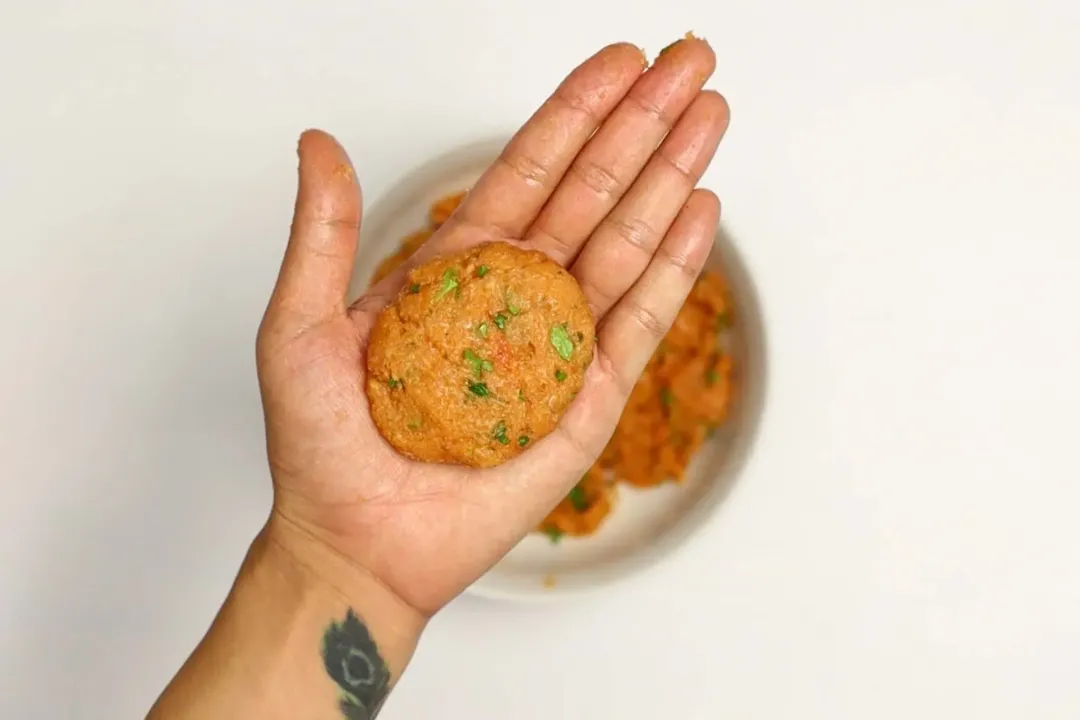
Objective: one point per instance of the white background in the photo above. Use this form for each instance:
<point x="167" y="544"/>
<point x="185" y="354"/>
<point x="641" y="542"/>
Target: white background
<point x="901" y="178"/>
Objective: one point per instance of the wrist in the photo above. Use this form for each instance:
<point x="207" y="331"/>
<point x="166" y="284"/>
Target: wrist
<point x="303" y="629"/>
<point x="393" y="624"/>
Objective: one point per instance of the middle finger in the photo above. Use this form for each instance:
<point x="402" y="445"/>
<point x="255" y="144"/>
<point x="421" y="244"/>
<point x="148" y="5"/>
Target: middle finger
<point x="611" y="160"/>
<point x="626" y="239"/>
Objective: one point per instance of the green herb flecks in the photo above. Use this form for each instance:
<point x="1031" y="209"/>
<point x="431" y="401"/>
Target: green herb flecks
<point x="450" y="283"/>
<point x="554" y="534"/>
<point x="479" y="389"/>
<point x="511" y="304"/>
<point x="481" y="271"/>
<point x="500" y="321"/>
<point x="479" y="364"/>
<point x="560" y="340"/>
<point x="499" y="433"/>
<point x="482" y="329"/>
<point x="560" y="375"/>
<point x="523" y="440"/>
<point x="666" y="398"/>
<point x="711" y="373"/>
<point x="723" y="320"/>
<point x="578" y="499"/>
<point x="414" y="288"/>
<point x="521" y="395"/>
<point x="393" y="382"/>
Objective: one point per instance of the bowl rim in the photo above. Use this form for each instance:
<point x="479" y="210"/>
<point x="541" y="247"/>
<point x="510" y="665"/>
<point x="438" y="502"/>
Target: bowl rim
<point x="413" y="187"/>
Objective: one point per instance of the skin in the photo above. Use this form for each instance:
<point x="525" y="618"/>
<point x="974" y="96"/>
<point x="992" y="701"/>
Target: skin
<point x="354" y="524"/>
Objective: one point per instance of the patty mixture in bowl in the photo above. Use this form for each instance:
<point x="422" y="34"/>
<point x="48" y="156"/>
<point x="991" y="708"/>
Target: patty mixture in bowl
<point x="479" y="355"/>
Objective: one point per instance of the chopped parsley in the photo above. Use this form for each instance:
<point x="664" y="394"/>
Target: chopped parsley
<point x="481" y="271"/>
<point x="666" y="398"/>
<point x="523" y="440"/>
<point x="512" y="307"/>
<point x="450" y="283"/>
<point x="521" y="395"/>
<point x="578" y="499"/>
<point x="560" y="340"/>
<point x="414" y="288"/>
<point x="499" y="433"/>
<point x="500" y="321"/>
<point x="555" y="534"/>
<point x="482" y="329"/>
<point x="478" y="389"/>
<point x="479" y="364"/>
<point x="560" y="375"/>
<point x="393" y="382"/>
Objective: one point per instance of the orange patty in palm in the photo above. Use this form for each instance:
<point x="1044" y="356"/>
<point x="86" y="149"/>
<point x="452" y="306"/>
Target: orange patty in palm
<point x="479" y="356"/>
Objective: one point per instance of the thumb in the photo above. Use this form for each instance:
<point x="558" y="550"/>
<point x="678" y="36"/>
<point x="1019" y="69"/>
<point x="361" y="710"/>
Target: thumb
<point x="318" y="263"/>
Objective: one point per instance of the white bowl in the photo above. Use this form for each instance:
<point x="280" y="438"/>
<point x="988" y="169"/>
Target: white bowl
<point x="646" y="525"/>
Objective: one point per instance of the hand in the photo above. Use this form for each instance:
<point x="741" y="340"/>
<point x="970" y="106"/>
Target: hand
<point x="618" y="208"/>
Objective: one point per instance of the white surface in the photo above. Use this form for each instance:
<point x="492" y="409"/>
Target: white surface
<point x="902" y="179"/>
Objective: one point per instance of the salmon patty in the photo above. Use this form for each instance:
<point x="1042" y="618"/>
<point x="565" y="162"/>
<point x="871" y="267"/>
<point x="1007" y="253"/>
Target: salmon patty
<point x="479" y="355"/>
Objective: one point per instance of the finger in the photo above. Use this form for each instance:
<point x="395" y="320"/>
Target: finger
<point x="611" y="160"/>
<point x="623" y="244"/>
<point x="538" y="479"/>
<point x="315" y="272"/>
<point x="630" y="332"/>
<point x="512" y="191"/>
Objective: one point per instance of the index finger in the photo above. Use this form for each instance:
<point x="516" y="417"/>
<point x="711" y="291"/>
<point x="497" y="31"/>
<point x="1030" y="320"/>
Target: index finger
<point x="509" y="195"/>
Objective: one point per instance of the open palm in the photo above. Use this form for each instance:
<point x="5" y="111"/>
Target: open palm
<point x="602" y="178"/>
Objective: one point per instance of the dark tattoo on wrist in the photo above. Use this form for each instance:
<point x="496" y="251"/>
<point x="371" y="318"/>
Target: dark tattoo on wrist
<point x="353" y="661"/>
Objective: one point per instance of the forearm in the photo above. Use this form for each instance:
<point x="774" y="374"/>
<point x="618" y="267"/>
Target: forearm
<point x="303" y="632"/>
